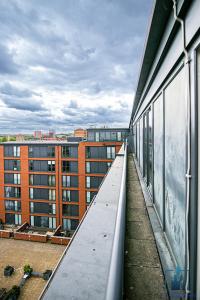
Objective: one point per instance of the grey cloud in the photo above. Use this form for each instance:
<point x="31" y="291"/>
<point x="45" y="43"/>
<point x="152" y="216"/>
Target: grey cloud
<point x="90" y="47"/>
<point x="22" y="99"/>
<point x="7" y="64"/>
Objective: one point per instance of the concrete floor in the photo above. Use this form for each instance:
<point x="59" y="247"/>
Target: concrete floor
<point x="143" y="273"/>
<point x="40" y="256"/>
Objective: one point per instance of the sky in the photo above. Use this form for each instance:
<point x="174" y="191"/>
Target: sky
<point x="66" y="64"/>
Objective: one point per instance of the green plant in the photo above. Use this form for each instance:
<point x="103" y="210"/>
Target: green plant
<point x="28" y="269"/>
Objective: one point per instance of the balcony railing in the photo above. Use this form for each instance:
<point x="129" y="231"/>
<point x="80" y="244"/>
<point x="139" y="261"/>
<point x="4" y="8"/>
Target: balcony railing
<point x="92" y="265"/>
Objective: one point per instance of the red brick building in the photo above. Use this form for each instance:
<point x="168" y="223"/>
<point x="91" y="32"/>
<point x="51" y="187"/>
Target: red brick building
<point x="50" y="183"/>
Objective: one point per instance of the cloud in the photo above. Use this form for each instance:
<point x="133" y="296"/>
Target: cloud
<point x="52" y="52"/>
<point x="22" y="99"/>
<point x="7" y="64"/>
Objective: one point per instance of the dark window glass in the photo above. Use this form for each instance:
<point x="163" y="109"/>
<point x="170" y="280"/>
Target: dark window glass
<point x="11" y="165"/>
<point x="70" y="196"/>
<point x="70" y="166"/>
<point x="41" y="151"/>
<point x="70" y="210"/>
<point x="70" y="151"/>
<point x="12" y="192"/>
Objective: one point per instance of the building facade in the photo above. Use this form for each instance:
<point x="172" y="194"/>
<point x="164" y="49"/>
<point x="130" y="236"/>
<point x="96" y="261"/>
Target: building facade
<point x="51" y="183"/>
<point x="165" y="133"/>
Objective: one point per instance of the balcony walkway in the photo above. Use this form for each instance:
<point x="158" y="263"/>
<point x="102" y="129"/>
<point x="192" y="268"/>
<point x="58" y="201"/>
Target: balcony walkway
<point x="143" y="273"/>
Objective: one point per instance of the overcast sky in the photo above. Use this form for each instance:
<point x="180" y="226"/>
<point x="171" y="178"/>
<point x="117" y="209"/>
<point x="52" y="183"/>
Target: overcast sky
<point x="69" y="63"/>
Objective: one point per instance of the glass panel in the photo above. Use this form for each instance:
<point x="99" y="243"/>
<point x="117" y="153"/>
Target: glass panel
<point x="175" y="166"/>
<point x="141" y="144"/>
<point x="158" y="156"/>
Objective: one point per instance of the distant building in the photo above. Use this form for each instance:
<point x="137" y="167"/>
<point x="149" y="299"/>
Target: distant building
<point x="20" y="138"/>
<point x="79" y="132"/>
<point x="37" y="134"/>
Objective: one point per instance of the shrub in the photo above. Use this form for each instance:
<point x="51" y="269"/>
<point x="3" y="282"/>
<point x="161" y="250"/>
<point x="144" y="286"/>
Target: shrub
<point x="28" y="269"/>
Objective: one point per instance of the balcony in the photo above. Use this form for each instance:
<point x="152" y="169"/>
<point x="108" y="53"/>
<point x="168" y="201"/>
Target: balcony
<point x="113" y="242"/>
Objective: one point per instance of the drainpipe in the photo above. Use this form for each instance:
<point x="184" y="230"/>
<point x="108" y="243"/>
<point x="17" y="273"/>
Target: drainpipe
<point x="188" y="172"/>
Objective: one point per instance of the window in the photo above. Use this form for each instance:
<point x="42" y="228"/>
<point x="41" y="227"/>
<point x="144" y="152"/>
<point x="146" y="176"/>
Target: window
<point x="70" y="210"/>
<point x="52" y="194"/>
<point x="69" y="224"/>
<point x="99" y="167"/>
<point x="31" y="179"/>
<point x="41" y="151"/>
<point x="32" y="221"/>
<point x="52" y="223"/>
<point x="119" y="136"/>
<point x="16" y="178"/>
<point x="12" y="192"/>
<point x="13" y="219"/>
<point x="11" y="178"/>
<point x="87" y="167"/>
<point x="10" y="151"/>
<point x="32" y="207"/>
<point x="16" y="151"/>
<point x="70" y="196"/>
<point x="52" y="180"/>
<point x="69" y="181"/>
<point x="93" y="181"/>
<point x="70" y="166"/>
<point x="11" y="165"/>
<point x="31" y="193"/>
<point x="51" y="165"/>
<point x="97" y="136"/>
<point x="88" y="182"/>
<point x="96" y="152"/>
<point x="53" y="209"/>
<point x="110" y="152"/>
<point x="12" y="205"/>
<point x="31" y="168"/>
<point x="70" y="151"/>
<point x="51" y="151"/>
<point x="18" y="219"/>
<point x="90" y="196"/>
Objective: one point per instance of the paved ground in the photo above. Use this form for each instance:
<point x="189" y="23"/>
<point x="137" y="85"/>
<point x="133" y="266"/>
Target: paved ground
<point x="18" y="253"/>
<point x="143" y="274"/>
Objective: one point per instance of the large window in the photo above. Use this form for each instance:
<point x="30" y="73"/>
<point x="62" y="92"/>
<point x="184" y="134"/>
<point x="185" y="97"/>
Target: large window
<point x="12" y="192"/>
<point x="97" y="167"/>
<point x="90" y="196"/>
<point x="41" y="151"/>
<point x="70" y="151"/>
<point x="148" y="150"/>
<point x="13" y="219"/>
<point x="69" y="181"/>
<point x="35" y="179"/>
<point x="69" y="196"/>
<point x="46" y="222"/>
<point x="11" y="205"/>
<point x="158" y="156"/>
<point x="42" y="194"/>
<point x="175" y="165"/>
<point x="70" y="210"/>
<point x="11" y="165"/>
<point x="69" y="166"/>
<point x="43" y="208"/>
<point x="12" y="151"/>
<point x="42" y="165"/>
<point x="93" y="182"/>
<point x="12" y="178"/>
<point x="69" y="224"/>
<point x="100" y="152"/>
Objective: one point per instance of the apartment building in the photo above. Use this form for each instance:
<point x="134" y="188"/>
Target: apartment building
<point x="51" y="183"/>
